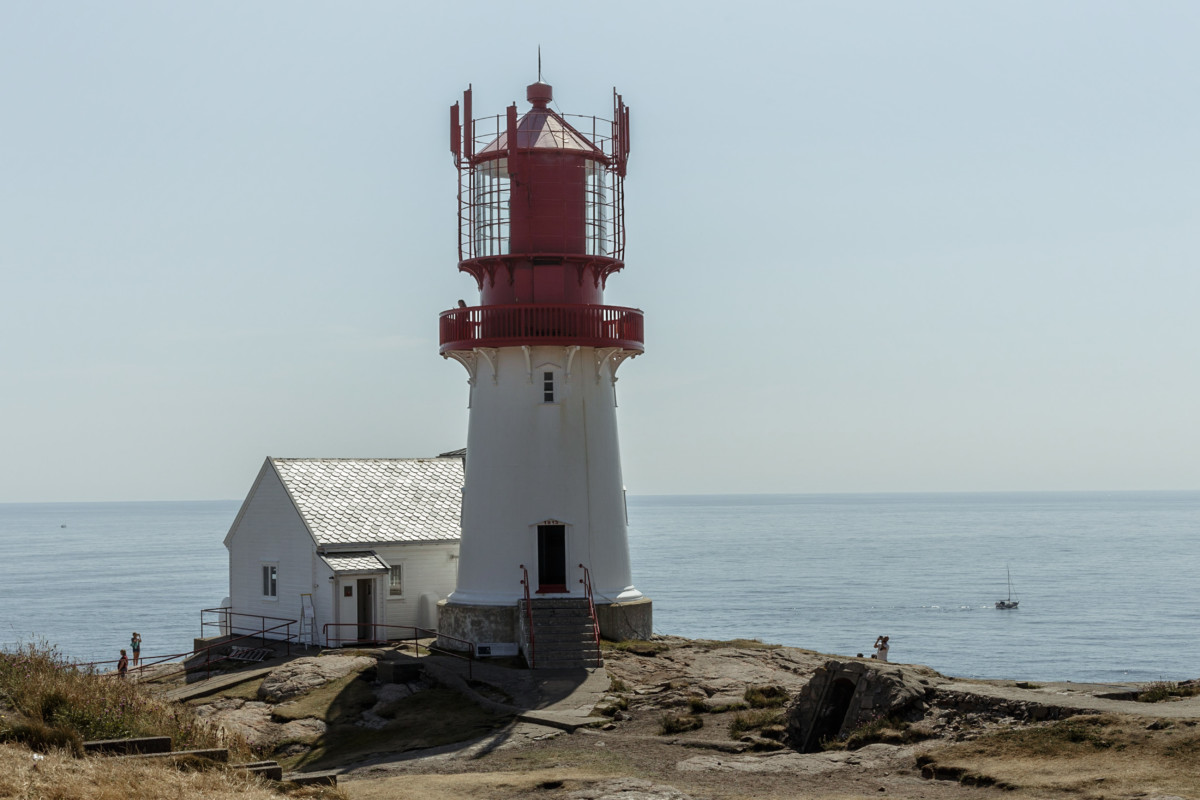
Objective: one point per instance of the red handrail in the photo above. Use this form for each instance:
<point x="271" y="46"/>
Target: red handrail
<point x="533" y="323"/>
<point x="529" y="617"/>
<point x="586" y="580"/>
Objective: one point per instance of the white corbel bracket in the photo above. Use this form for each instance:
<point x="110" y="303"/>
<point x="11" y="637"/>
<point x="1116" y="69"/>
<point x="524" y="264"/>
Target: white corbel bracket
<point x="490" y="354"/>
<point x="614" y="356"/>
<point x="571" y="351"/>
<point x="469" y="361"/>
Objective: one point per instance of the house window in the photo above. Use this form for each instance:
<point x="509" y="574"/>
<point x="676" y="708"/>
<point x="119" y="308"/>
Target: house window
<point x="547" y="387"/>
<point x="270" y="577"/>
<point x="396" y="580"/>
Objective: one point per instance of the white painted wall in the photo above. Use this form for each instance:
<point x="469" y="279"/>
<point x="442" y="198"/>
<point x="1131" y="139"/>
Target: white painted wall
<point x="269" y="530"/>
<point x="529" y="461"/>
<point x="430" y="568"/>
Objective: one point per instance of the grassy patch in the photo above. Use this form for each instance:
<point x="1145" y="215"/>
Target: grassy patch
<point x="741" y="644"/>
<point x="616" y="685"/>
<point x="745" y="721"/>
<point x="426" y="719"/>
<point x="679" y="723"/>
<point x="1166" y="690"/>
<point x="58" y="776"/>
<point x="611" y="709"/>
<point x="1080" y="755"/>
<point x="56" y="701"/>
<point x="1065" y="737"/>
<point x="636" y="646"/>
<point x="766" y="696"/>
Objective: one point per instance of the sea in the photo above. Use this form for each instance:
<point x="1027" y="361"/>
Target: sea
<point x="1107" y="581"/>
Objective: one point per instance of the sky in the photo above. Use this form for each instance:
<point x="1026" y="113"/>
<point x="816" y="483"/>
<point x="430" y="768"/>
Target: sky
<point x="880" y="246"/>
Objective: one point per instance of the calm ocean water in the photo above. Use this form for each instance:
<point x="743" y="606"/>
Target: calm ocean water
<point x="1107" y="581"/>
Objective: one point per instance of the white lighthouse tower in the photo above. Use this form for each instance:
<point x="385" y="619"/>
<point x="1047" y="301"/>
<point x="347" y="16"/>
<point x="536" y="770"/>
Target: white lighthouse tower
<point x="544" y="560"/>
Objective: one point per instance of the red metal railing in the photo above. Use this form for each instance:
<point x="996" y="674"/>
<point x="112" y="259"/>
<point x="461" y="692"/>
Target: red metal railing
<point x="586" y="580"/>
<point x="414" y="639"/>
<point x="529" y="616"/>
<point x="510" y="326"/>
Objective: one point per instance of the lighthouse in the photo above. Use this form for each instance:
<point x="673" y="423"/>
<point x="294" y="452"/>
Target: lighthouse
<point x="544" y="564"/>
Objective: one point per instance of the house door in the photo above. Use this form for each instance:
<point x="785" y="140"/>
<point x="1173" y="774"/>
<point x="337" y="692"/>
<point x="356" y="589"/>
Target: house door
<point x="552" y="559"/>
<point x="366" y="607"/>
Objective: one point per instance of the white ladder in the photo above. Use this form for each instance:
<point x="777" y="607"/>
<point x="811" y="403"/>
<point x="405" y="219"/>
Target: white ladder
<point x="308" y="620"/>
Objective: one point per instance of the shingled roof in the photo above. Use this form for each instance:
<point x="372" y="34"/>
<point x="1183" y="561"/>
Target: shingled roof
<point x="351" y="501"/>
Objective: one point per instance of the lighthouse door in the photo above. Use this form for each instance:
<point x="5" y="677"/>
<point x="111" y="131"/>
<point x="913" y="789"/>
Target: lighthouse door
<point x="552" y="559"/>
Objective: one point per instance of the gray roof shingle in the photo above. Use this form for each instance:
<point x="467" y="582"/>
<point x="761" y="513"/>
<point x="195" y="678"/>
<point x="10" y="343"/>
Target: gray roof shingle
<point x="350" y="501"/>
<point x="355" y="561"/>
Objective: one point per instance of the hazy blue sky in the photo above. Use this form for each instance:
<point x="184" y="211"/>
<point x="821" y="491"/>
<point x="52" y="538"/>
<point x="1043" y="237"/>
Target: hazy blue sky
<point x="881" y="246"/>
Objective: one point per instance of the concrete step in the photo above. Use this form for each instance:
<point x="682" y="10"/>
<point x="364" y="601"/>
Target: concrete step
<point x="553" y="613"/>
<point x="220" y="754"/>
<point x="565" y="637"/>
<point x="545" y="656"/>
<point x="123" y="747"/>
<point x="267" y="769"/>
<point x="329" y="778"/>
<point x="569" y="663"/>
<point x="560" y="625"/>
<point x="559" y="602"/>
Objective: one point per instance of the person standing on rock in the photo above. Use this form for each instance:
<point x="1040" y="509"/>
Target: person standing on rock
<point x="881" y="648"/>
<point x="135" y="644"/>
<point x="122" y="665"/>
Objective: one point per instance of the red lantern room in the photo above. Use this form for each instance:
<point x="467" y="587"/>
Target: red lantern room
<point x="541" y="227"/>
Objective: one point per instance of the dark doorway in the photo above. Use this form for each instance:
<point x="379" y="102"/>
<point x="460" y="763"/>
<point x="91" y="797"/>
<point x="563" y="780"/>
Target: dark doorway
<point x="552" y="559"/>
<point x="831" y="715"/>
<point x="366" y="605"/>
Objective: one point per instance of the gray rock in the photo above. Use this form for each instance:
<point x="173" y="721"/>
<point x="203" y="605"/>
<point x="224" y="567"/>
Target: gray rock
<point x="305" y="674"/>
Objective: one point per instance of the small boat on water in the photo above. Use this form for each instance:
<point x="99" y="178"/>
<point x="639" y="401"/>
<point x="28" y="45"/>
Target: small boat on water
<point x="1009" y="602"/>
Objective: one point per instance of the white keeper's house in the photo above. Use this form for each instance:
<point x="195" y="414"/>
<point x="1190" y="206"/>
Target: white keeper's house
<point x="371" y="541"/>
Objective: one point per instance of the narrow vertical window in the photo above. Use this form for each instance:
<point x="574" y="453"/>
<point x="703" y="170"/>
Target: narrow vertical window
<point x="270" y="580"/>
<point x="396" y="580"/>
<point x="547" y="387"/>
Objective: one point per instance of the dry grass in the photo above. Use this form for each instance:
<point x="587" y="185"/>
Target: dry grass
<point x="766" y="696"/>
<point x="745" y="721"/>
<point x="741" y="644"/>
<point x="1095" y="756"/>
<point x="58" y="776"/>
<point x="54" y="701"/>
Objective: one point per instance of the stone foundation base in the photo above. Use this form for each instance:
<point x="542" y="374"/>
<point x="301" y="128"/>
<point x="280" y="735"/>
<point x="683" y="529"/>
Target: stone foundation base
<point x="622" y="621"/>
<point x="475" y="624"/>
<point x="500" y="624"/>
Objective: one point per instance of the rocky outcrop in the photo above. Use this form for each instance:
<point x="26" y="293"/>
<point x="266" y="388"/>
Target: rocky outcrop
<point x="844" y="695"/>
<point x="305" y="674"/>
<point x="253" y="721"/>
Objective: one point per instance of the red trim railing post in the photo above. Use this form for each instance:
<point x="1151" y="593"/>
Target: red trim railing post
<point x="586" y="580"/>
<point x="529" y="618"/>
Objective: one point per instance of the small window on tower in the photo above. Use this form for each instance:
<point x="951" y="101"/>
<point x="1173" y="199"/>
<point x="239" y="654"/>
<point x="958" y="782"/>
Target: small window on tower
<point x="547" y="387"/>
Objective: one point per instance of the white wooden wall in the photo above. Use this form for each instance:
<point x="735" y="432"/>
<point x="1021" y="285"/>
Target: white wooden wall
<point x="430" y="568"/>
<point x="270" y="531"/>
